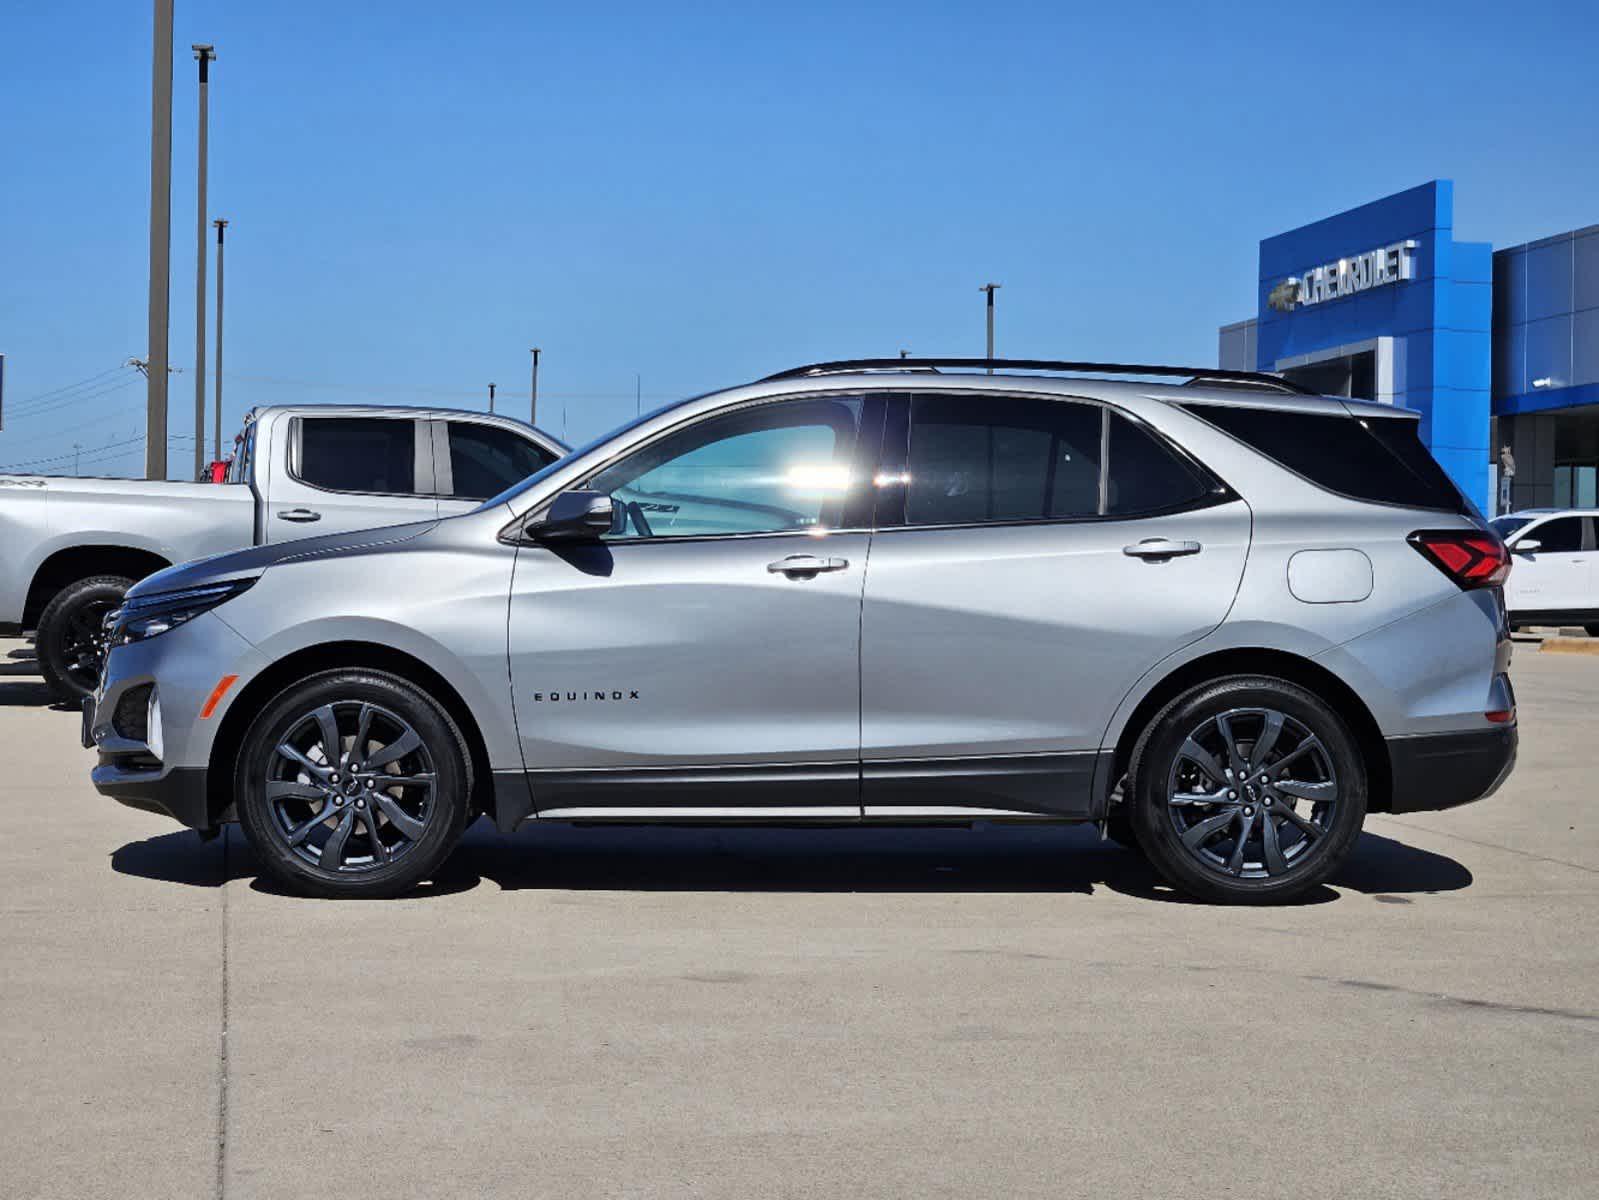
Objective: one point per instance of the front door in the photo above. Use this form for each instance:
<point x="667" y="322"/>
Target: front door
<point x="1047" y="553"/>
<point x="1556" y="577"/>
<point x="702" y="659"/>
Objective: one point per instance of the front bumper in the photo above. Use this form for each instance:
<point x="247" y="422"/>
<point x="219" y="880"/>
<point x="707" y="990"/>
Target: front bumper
<point x="1445" y="770"/>
<point x="176" y="792"/>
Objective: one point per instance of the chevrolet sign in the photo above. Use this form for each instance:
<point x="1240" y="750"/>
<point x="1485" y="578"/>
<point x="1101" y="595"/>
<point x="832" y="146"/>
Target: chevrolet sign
<point x="1345" y="277"/>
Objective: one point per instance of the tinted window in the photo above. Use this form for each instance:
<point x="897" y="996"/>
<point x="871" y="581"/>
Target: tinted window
<point x="485" y="460"/>
<point x="1001" y="458"/>
<point x="774" y="468"/>
<point x="1506" y="527"/>
<point x="358" y="454"/>
<point x="1375" y="458"/>
<point x="1563" y="535"/>
<point x="1147" y="475"/>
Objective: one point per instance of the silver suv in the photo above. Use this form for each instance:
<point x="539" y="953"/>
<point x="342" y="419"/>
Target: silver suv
<point x="1220" y="617"/>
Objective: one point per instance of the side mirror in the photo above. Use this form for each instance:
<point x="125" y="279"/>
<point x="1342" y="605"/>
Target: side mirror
<point x="1526" y="546"/>
<point x="574" y="517"/>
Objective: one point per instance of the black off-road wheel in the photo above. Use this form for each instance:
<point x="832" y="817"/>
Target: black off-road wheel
<point x="353" y="783"/>
<point x="70" y="640"/>
<point x="1247" y="790"/>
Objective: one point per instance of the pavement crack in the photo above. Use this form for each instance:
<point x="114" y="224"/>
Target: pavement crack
<point x="1460" y="837"/>
<point x="1531" y="1010"/>
<point x="222" y="1046"/>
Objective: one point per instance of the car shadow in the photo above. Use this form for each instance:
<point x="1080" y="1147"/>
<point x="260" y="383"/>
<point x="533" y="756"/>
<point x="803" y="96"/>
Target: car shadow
<point x="996" y="858"/>
<point x="33" y="693"/>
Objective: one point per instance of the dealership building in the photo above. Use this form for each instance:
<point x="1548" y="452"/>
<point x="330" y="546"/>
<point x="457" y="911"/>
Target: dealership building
<point x="1492" y="347"/>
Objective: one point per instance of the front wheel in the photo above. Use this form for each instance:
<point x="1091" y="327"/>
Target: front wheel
<point x="71" y="635"/>
<point x="1247" y="790"/>
<point x="353" y="783"/>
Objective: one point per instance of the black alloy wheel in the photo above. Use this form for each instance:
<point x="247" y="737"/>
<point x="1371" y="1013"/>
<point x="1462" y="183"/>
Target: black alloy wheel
<point x="71" y="638"/>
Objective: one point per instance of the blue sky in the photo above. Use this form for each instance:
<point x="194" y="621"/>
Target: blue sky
<point x="704" y="193"/>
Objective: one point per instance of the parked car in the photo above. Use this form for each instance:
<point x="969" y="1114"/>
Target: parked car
<point x="73" y="547"/>
<point x="1225" y="618"/>
<point x="1556" y="577"/>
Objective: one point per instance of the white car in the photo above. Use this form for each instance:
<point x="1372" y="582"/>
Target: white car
<point x="1555" y="580"/>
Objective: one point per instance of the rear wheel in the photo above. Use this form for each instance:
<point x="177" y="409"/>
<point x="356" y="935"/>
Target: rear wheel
<point x="1249" y="789"/>
<point x="71" y="635"/>
<point x="353" y="783"/>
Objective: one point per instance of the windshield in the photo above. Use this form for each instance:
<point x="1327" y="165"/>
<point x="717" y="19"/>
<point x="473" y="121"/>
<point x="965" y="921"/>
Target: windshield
<point x="517" y="489"/>
<point x="1506" y="526"/>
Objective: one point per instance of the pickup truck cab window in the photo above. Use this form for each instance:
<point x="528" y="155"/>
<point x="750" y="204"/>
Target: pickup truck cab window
<point x="358" y="454"/>
<point x="485" y="460"/>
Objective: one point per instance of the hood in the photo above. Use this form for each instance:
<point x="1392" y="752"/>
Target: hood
<point x="248" y="564"/>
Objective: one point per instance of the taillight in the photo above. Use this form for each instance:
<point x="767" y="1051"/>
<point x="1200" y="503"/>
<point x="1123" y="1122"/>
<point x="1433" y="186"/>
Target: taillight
<point x="1470" y="557"/>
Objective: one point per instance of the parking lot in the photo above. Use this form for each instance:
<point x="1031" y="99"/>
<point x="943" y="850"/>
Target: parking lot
<point x="1006" y="1012"/>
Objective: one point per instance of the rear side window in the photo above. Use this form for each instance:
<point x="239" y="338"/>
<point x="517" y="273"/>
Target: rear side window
<point x="1368" y="458"/>
<point x="1008" y="458"/>
<point x="485" y="460"/>
<point x="1147" y="475"/>
<point x="358" y="454"/>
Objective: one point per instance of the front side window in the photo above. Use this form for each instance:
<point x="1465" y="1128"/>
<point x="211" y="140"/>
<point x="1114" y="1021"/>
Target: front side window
<point x="358" y="454"/>
<point x="1563" y="535"/>
<point x="775" y="468"/>
<point x="485" y="459"/>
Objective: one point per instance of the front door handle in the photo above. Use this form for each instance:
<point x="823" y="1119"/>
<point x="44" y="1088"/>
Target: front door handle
<point x="805" y="564"/>
<point x="301" y="515"/>
<point x="1161" y="548"/>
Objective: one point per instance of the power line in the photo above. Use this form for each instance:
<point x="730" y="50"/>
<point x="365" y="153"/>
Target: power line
<point x="95" y="454"/>
<point x="22" y="405"/>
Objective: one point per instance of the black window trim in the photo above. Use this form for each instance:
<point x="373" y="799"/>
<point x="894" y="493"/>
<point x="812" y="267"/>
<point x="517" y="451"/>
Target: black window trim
<point x="1197" y="410"/>
<point x="421" y="450"/>
<point x="891" y="516"/>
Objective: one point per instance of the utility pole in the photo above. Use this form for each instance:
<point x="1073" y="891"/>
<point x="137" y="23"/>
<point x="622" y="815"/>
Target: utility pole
<point x="203" y="53"/>
<point x="155" y="437"/>
<point x="990" y="288"/>
<point x="533" y="408"/>
<point x="491" y="397"/>
<point x="75" y="447"/>
<point x="638" y="394"/>
<point x="904" y="353"/>
<point x="216" y="453"/>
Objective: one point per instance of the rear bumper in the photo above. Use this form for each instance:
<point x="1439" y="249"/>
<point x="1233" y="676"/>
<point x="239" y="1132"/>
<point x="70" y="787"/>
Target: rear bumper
<point x="176" y="792"/>
<point x="1445" y="770"/>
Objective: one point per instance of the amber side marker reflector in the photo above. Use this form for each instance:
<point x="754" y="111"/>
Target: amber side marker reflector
<point x="217" y="693"/>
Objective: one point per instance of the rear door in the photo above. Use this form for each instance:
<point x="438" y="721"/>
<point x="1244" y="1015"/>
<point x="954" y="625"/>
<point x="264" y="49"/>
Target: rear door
<point x="1034" y="556"/>
<point x="1557" y="576"/>
<point x="473" y="460"/>
<point x="342" y="473"/>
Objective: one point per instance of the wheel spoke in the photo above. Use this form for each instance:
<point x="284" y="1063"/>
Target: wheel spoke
<point x="379" y="850"/>
<point x="1317" y="793"/>
<point x="1305" y="747"/>
<point x="389" y="781"/>
<point x="1203" y="759"/>
<point x="1305" y="824"/>
<point x="1199" y="798"/>
<point x="1267" y="740"/>
<point x="1276" y="864"/>
<point x="290" y="789"/>
<point x="332" y="743"/>
<point x="1235" y="760"/>
<point x="316" y="770"/>
<point x="300" y="832"/>
<point x="362" y="731"/>
<point x="1201" y="831"/>
<point x="403" y="821"/>
<point x="396" y="750"/>
<point x="333" y="849"/>
<point x="1235" y="864"/>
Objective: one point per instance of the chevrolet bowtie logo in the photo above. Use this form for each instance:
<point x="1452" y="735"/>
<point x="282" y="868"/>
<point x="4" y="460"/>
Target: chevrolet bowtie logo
<point x="1285" y="296"/>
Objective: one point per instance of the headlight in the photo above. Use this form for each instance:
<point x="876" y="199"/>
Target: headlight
<point x="145" y="617"/>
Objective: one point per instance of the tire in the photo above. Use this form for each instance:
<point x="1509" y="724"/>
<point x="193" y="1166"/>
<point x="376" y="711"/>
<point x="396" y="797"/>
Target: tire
<point x="1299" y="826"/>
<point x="69" y="639"/>
<point x="1119" y="825"/>
<point x="308" y="820"/>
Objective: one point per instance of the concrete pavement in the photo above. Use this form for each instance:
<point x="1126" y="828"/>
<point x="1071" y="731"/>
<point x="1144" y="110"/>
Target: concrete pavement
<point x="1001" y="1012"/>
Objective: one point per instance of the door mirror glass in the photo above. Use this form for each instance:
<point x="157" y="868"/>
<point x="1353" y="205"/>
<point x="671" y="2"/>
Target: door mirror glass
<point x="1527" y="546"/>
<point x="574" y="517"/>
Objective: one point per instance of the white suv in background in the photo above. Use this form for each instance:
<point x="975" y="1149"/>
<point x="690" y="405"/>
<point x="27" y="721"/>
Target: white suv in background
<point x="1555" y="580"/>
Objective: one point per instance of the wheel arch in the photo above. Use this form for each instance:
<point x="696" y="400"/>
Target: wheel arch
<point x="72" y="563"/>
<point x="1280" y="664"/>
<point x="317" y="660"/>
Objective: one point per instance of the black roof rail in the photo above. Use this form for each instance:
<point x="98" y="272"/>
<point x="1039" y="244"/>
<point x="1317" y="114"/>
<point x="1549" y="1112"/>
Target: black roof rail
<point x="1191" y="375"/>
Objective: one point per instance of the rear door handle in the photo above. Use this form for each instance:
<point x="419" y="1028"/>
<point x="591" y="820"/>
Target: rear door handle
<point x="301" y="515"/>
<point x="805" y="564"/>
<point x="1161" y="548"/>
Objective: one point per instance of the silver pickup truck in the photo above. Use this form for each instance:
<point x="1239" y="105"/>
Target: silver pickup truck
<point x="70" y="548"/>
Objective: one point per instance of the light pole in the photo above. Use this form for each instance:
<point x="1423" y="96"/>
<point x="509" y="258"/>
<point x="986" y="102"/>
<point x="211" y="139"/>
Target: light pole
<point x="533" y="408"/>
<point x="155" y="421"/>
<point x="990" y="288"/>
<point x="491" y="397"/>
<point x="203" y="53"/>
<point x="216" y="451"/>
<point x="904" y="353"/>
